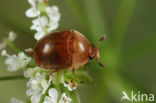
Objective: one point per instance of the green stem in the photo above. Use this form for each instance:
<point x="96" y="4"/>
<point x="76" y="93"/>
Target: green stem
<point x="12" y="45"/>
<point x="12" y="78"/>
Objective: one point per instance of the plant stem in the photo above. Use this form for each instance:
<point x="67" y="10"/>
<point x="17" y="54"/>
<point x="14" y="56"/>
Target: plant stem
<point x="12" y="77"/>
<point x="12" y="45"/>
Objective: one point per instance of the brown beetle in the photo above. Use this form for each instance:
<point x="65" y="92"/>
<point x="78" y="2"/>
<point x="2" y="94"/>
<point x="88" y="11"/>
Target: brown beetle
<point x="63" y="50"/>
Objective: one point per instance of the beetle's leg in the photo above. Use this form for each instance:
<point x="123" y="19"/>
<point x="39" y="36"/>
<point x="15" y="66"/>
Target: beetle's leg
<point x="29" y="51"/>
<point x="46" y="2"/>
<point x="73" y="70"/>
<point x="51" y="73"/>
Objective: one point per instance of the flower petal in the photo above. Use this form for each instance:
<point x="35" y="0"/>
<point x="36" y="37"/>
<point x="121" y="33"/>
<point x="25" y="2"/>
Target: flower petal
<point x="53" y="13"/>
<point x="53" y="94"/>
<point x="32" y="12"/>
<point x="32" y="2"/>
<point x="35" y="98"/>
<point x="65" y="99"/>
<point x="52" y="26"/>
<point x="14" y="100"/>
<point x="12" y="36"/>
<point x="47" y="99"/>
<point x="38" y="35"/>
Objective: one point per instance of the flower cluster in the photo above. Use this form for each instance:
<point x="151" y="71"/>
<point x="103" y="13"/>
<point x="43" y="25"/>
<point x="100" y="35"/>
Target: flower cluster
<point x="71" y="85"/>
<point x="15" y="62"/>
<point x="14" y="100"/>
<point x="11" y="37"/>
<point x="53" y="97"/>
<point x="37" y="83"/>
<point x="46" y="20"/>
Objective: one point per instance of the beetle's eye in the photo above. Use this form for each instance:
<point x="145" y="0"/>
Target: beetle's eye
<point x="91" y="57"/>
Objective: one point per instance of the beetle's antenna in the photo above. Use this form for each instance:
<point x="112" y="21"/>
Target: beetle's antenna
<point x="101" y="39"/>
<point x="102" y="65"/>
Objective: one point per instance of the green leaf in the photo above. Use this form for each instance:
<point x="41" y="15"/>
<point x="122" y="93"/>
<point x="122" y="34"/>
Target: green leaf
<point x="84" y="78"/>
<point x="79" y="77"/>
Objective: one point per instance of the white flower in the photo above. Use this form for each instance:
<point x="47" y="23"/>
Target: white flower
<point x="35" y="98"/>
<point x="53" y="13"/>
<point x="71" y="85"/>
<point x="43" y="26"/>
<point x="4" y="53"/>
<point x="33" y="88"/>
<point x="65" y="99"/>
<point x="39" y="23"/>
<point x="16" y="62"/>
<point x="32" y="2"/>
<point x="52" y="26"/>
<point x="30" y="72"/>
<point x="32" y="12"/>
<point x="39" y="35"/>
<point x="12" y="36"/>
<point x="14" y="100"/>
<point x="53" y="97"/>
<point x="37" y="84"/>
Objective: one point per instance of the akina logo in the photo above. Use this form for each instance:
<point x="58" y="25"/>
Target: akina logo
<point x="140" y="97"/>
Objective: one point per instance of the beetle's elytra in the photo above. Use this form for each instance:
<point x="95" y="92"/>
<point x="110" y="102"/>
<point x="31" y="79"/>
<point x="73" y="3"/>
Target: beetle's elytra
<point x="63" y="50"/>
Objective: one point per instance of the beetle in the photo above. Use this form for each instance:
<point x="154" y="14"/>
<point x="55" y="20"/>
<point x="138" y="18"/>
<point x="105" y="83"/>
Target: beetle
<point x="63" y="50"/>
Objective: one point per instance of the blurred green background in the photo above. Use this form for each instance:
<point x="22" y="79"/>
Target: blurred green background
<point x="129" y="52"/>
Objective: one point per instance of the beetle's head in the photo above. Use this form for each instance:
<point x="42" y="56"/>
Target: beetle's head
<point x="94" y="51"/>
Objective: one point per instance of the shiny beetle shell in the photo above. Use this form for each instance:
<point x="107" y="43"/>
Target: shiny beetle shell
<point x="62" y="50"/>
